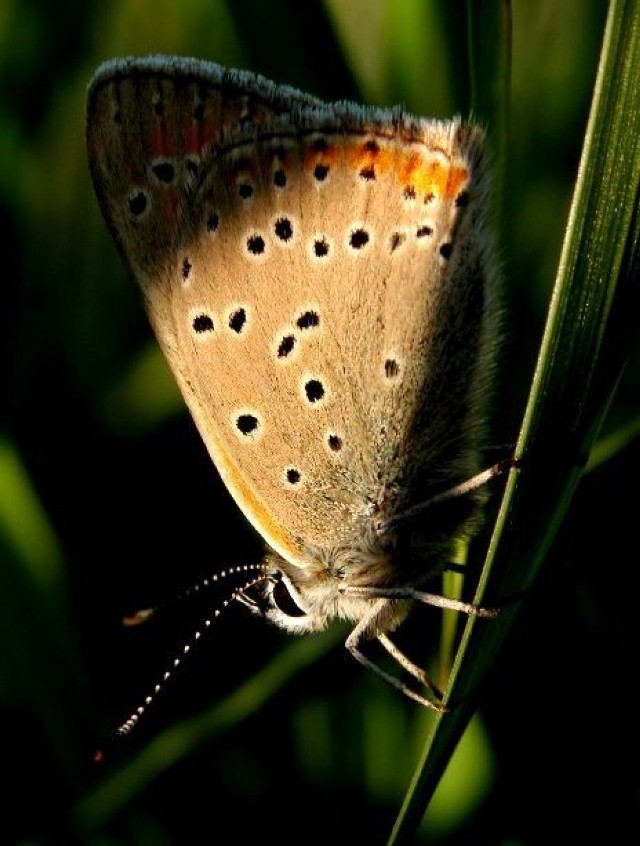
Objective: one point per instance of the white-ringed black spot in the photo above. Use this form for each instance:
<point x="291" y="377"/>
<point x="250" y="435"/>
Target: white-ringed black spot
<point x="202" y="323"/>
<point x="237" y="320"/>
<point x="293" y="476"/>
<point x="286" y="346"/>
<point x="247" y="424"/>
<point x="245" y="190"/>
<point x="321" y="247"/>
<point x="164" y="172"/>
<point x="283" y="229"/>
<point x="186" y="268"/>
<point x="314" y="389"/>
<point x="138" y="203"/>
<point x="255" y="244"/>
<point x="423" y="231"/>
<point x="334" y="442"/>
<point x="446" y="250"/>
<point x="320" y="172"/>
<point x="308" y="319"/>
<point x="279" y="178"/>
<point x="359" y="238"/>
<point x="213" y="221"/>
<point x="391" y="368"/>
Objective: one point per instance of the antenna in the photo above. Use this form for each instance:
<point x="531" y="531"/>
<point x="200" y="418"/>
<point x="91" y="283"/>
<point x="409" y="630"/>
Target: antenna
<point x="145" y="614"/>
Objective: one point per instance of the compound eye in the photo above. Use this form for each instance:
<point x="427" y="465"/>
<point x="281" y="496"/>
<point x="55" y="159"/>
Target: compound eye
<point x="284" y="602"/>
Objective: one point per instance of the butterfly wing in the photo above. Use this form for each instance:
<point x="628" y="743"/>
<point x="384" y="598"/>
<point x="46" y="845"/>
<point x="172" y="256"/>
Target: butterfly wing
<point x="316" y="278"/>
<point x="150" y="124"/>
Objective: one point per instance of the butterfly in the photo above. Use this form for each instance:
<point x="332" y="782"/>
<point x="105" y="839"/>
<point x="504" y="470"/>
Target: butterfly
<point x="321" y="280"/>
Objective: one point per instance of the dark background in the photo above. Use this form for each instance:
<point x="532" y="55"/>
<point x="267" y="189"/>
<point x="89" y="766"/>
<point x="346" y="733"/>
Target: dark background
<point x="108" y="500"/>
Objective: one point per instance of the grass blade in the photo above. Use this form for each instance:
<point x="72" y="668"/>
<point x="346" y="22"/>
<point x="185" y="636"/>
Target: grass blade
<point x="587" y="337"/>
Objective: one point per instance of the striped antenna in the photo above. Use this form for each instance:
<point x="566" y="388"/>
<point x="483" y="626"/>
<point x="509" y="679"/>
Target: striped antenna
<point x="145" y="614"/>
<point x="238" y="595"/>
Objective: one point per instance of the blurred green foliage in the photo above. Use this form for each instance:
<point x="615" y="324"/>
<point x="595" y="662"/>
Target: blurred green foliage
<point x="109" y="502"/>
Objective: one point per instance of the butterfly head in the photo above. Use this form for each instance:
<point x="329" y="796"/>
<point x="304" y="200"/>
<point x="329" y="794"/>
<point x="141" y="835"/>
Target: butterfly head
<point x="305" y="597"/>
<point x="280" y="601"/>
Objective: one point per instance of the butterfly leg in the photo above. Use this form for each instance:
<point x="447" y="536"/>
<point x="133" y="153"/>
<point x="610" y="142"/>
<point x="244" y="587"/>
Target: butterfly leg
<point x="413" y="669"/>
<point x="363" y="631"/>
<point x="422" y="596"/>
<point x="462" y="489"/>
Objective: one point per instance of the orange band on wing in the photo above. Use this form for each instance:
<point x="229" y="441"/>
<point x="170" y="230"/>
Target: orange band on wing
<point x="253" y="509"/>
<point x="431" y="176"/>
<point x="369" y="156"/>
<point x="458" y="178"/>
<point x="427" y="175"/>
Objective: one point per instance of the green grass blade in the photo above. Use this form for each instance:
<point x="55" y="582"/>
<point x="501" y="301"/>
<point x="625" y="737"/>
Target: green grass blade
<point x="488" y="27"/>
<point x="39" y="664"/>
<point x="587" y="338"/>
